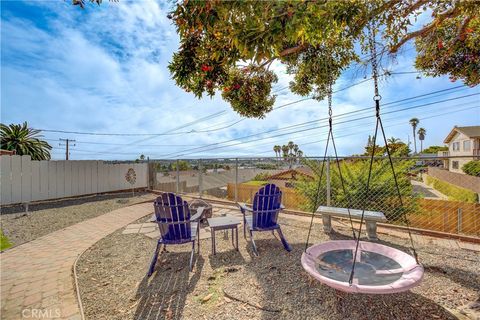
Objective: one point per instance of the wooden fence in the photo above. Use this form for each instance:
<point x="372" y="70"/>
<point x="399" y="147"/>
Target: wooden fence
<point x="447" y="216"/>
<point x="23" y="180"/>
<point x="438" y="215"/>
<point x="290" y="198"/>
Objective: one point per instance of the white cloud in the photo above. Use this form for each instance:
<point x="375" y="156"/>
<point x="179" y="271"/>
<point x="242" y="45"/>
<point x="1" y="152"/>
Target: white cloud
<point x="104" y="69"/>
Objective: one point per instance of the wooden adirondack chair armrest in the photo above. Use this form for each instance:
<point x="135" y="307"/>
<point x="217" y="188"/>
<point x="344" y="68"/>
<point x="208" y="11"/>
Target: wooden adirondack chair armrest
<point x="198" y="215"/>
<point x="244" y="208"/>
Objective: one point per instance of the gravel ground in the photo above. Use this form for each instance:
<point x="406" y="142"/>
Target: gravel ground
<point x="236" y="285"/>
<point x="48" y="217"/>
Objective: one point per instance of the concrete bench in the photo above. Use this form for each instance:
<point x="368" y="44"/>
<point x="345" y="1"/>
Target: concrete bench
<point x="370" y="217"/>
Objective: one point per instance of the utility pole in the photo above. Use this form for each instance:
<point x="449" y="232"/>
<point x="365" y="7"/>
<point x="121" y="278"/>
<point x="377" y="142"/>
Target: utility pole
<point x="67" y="144"/>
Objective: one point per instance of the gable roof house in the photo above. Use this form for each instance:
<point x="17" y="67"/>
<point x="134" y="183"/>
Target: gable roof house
<point x="462" y="141"/>
<point x="285" y="178"/>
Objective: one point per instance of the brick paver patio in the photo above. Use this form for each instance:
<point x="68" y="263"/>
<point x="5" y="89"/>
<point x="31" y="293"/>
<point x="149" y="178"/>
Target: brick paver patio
<point x="37" y="277"/>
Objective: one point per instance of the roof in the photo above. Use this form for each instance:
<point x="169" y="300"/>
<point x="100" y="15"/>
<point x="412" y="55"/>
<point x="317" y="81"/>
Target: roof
<point x="7" y="152"/>
<point x="303" y="171"/>
<point x="471" y="132"/>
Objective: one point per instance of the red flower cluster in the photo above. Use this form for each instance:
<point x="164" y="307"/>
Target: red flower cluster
<point x="206" y="68"/>
<point x="440" y="44"/>
<point x="234" y="87"/>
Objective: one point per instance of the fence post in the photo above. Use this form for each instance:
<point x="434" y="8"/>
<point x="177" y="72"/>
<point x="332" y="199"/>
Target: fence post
<point x="152" y="176"/>
<point x="178" y="177"/>
<point x="459" y="220"/>
<point x="200" y="182"/>
<point x="236" y="179"/>
<point x="328" y="183"/>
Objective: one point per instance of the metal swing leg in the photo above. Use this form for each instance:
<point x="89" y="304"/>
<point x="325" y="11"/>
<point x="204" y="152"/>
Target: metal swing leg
<point x="154" y="258"/>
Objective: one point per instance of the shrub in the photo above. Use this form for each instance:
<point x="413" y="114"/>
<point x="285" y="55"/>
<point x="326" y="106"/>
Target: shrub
<point x="472" y="168"/>
<point x="4" y="242"/>
<point x="255" y="183"/>
<point x="266" y="166"/>
<point x="263" y="176"/>
<point x="452" y="191"/>
<point x="382" y="195"/>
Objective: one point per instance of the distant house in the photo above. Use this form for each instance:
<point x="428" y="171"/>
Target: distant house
<point x="287" y="177"/>
<point x="6" y="152"/>
<point x="461" y="141"/>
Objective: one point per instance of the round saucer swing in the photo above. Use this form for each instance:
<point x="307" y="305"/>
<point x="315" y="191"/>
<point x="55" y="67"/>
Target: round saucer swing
<point x="355" y="266"/>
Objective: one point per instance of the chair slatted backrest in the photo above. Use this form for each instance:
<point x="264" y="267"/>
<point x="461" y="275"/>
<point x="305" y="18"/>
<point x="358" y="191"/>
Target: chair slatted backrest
<point x="173" y="218"/>
<point x="266" y="206"/>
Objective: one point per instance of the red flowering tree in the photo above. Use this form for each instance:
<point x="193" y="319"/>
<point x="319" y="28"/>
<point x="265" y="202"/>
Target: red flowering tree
<point x="229" y="46"/>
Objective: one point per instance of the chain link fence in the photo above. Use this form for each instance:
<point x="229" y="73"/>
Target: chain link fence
<point x="434" y="194"/>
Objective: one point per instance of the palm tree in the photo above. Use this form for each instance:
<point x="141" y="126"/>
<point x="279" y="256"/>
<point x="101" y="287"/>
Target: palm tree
<point x="414" y="122"/>
<point x="24" y="140"/>
<point x="277" y="150"/>
<point x="421" y="136"/>
<point x="290" y="145"/>
<point x="285" y="150"/>
<point x="393" y="140"/>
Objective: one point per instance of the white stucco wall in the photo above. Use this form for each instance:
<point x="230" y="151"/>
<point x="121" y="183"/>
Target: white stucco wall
<point x="460" y="138"/>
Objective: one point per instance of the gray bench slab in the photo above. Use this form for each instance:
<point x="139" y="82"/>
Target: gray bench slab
<point x="371" y="218"/>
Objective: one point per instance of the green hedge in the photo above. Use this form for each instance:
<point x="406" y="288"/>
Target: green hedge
<point x="452" y="191"/>
<point x="472" y="168"/>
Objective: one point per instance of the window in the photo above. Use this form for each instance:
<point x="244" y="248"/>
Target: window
<point x="454" y="164"/>
<point x="466" y="145"/>
<point x="456" y="146"/>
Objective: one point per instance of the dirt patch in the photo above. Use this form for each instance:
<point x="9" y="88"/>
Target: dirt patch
<point x="236" y="285"/>
<point x="48" y="217"/>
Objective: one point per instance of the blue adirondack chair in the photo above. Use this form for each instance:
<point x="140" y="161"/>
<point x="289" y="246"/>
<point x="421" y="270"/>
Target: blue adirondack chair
<point x="175" y="224"/>
<point x="264" y="214"/>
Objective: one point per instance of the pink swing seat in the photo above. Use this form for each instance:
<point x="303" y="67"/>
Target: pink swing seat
<point x="379" y="269"/>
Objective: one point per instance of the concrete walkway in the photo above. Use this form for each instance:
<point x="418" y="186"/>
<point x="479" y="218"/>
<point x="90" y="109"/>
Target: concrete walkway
<point x="426" y="191"/>
<point x="37" y="277"/>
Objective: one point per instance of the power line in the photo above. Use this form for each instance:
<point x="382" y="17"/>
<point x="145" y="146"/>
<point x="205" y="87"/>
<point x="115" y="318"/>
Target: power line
<point x="303" y="144"/>
<point x="346" y="121"/>
<point x="314" y="121"/>
<point x="366" y="131"/>
<point x="214" y="115"/>
<point x="398" y="102"/>
<point x="360" y="125"/>
<point x="122" y="144"/>
<point x="399" y="123"/>
<point x="167" y="133"/>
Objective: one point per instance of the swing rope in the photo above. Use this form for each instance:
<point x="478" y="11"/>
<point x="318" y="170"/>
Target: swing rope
<point x="338" y="166"/>
<point x="378" y="125"/>
<point x="318" y="189"/>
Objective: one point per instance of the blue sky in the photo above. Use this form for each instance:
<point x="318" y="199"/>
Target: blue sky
<point x="104" y="70"/>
